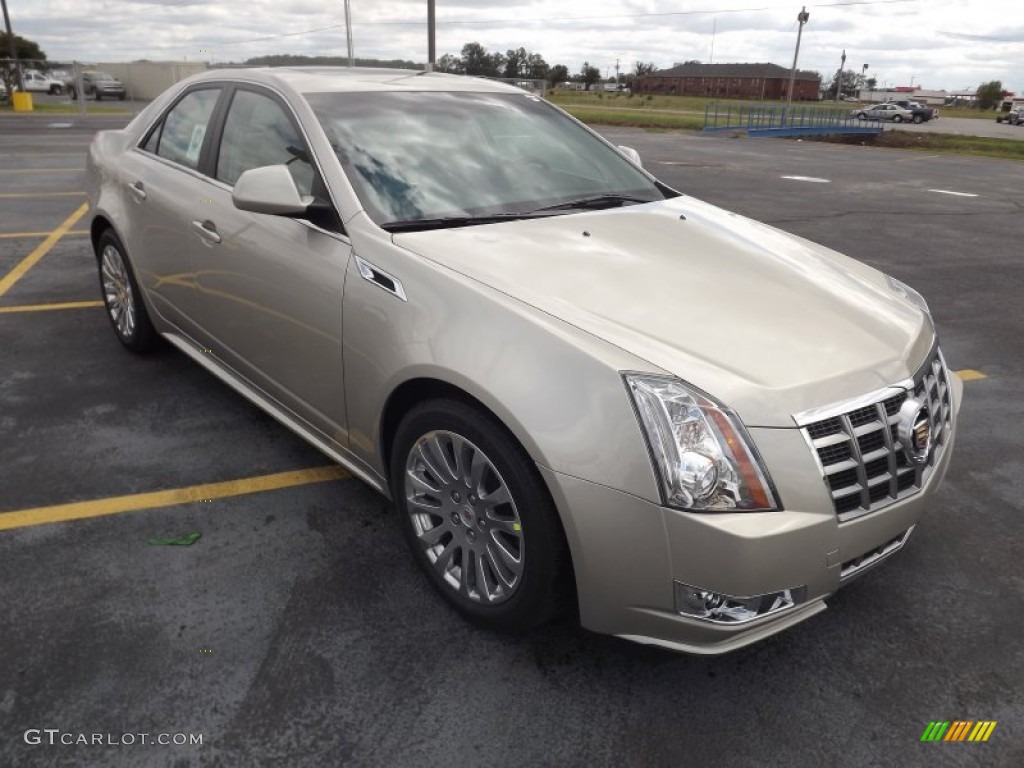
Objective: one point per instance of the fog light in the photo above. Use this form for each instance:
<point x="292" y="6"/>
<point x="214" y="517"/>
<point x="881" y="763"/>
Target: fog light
<point x="697" y="603"/>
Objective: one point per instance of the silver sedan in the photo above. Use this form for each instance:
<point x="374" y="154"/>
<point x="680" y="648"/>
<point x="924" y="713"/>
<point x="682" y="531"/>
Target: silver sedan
<point x="581" y="389"/>
<point x="893" y="112"/>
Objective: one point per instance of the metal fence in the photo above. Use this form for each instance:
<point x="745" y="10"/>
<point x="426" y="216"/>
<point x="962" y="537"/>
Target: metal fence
<point x="782" y="120"/>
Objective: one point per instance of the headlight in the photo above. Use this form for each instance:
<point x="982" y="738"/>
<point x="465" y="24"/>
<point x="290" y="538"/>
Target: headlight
<point x="704" y="457"/>
<point x="902" y="289"/>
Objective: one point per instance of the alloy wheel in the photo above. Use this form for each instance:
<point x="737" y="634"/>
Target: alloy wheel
<point x="464" y="517"/>
<point x="117" y="291"/>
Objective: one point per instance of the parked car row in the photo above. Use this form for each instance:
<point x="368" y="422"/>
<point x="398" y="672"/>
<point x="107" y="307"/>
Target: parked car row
<point x="1014" y="117"/>
<point x="897" y="112"/>
<point x="97" y="84"/>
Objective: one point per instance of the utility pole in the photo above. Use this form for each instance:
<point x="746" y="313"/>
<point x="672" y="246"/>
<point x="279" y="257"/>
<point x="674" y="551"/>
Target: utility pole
<point x="616" y="74"/>
<point x="431" y="48"/>
<point x="839" y="79"/>
<point x="802" y="18"/>
<point x="12" y="50"/>
<point x="348" y="34"/>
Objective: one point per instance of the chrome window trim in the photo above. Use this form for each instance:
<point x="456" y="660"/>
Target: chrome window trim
<point x="223" y="84"/>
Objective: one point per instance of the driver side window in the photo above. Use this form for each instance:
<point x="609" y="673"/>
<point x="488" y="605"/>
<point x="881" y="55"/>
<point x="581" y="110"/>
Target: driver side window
<point x="257" y="132"/>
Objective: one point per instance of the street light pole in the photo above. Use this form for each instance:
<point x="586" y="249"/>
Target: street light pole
<point x="12" y="49"/>
<point x="839" y="79"/>
<point x="801" y="17"/>
<point x="348" y="34"/>
<point x="431" y="48"/>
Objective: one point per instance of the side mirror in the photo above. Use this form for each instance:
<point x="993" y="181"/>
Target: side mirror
<point x="632" y="155"/>
<point x="270" y="189"/>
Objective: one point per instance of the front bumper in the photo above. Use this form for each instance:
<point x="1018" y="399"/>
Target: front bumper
<point x="628" y="552"/>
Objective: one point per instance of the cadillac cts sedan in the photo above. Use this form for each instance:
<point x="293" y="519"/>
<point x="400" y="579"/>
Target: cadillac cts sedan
<point x="581" y="389"/>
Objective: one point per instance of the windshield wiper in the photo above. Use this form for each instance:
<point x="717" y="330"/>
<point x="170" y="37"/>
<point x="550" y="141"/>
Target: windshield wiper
<point x="594" y="202"/>
<point x="446" y="222"/>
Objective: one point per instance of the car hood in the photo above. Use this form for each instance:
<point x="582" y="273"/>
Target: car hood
<point x="766" y="322"/>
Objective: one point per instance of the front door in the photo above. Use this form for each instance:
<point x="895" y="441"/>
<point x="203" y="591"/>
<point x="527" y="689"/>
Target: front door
<point x="270" y="287"/>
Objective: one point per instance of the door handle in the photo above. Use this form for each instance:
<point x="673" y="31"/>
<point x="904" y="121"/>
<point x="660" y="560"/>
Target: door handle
<point x="206" y="230"/>
<point x="138" y="190"/>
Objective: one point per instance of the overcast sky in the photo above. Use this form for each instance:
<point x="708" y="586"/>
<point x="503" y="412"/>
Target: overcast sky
<point x="952" y="44"/>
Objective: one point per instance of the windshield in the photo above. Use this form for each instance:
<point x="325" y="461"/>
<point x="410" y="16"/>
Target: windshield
<point x="428" y="155"/>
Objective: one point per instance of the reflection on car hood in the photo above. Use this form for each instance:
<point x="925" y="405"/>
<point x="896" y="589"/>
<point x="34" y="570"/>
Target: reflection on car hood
<point x="767" y="322"/>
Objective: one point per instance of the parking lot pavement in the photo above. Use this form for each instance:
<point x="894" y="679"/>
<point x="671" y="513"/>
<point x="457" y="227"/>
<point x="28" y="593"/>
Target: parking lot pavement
<point x="964" y="126"/>
<point x="296" y="630"/>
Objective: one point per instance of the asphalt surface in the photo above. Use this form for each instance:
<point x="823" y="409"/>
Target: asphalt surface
<point x="297" y="630"/>
<point x="964" y="126"/>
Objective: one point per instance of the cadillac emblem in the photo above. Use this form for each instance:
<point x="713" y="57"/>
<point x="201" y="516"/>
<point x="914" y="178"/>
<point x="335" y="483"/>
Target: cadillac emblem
<point x="914" y="430"/>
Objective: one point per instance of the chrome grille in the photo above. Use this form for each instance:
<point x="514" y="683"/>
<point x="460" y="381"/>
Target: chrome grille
<point x="864" y="466"/>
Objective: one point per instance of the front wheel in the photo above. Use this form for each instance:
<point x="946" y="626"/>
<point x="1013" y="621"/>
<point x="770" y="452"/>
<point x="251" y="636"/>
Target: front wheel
<point x="122" y="297"/>
<point x="897" y="119"/>
<point x="478" y="517"/>
<point x="861" y="116"/>
<point x="918" y="119"/>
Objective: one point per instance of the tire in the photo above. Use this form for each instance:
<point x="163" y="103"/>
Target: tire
<point x="73" y="94"/>
<point x="897" y="119"/>
<point x="55" y="90"/>
<point x="918" y="119"/>
<point x="515" y="550"/>
<point x="98" y="96"/>
<point x="861" y="116"/>
<point x="121" y="97"/>
<point x="121" y="295"/>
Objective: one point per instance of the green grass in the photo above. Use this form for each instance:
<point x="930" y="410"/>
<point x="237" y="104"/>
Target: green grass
<point x="636" y="118"/>
<point x="979" y="146"/>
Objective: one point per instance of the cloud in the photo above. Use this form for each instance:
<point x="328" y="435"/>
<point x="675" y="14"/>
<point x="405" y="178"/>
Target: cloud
<point x="941" y="43"/>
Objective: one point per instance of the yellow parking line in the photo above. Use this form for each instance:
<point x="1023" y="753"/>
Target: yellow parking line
<point x="16" y="235"/>
<point x="968" y="374"/>
<point x="45" y="307"/>
<point x="40" y="194"/>
<point x="39" y="170"/>
<point x="41" y="250"/>
<point x="114" y="505"/>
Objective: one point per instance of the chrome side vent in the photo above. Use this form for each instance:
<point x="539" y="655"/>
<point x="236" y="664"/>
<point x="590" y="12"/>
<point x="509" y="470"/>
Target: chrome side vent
<point x="380" y="278"/>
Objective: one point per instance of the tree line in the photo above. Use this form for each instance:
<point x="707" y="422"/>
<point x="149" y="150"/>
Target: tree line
<point x="519" y="63"/>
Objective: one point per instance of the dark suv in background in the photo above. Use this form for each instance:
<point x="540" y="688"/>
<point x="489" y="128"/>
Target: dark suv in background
<point x="98" y="84"/>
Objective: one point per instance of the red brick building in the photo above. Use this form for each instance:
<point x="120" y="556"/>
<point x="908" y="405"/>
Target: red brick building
<point x="731" y="81"/>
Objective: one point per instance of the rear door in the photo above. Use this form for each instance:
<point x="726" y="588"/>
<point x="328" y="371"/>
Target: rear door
<point x="270" y="287"/>
<point x="163" y="186"/>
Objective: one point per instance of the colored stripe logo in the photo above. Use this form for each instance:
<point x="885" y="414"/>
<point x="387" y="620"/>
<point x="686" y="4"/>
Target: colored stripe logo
<point x="959" y="730"/>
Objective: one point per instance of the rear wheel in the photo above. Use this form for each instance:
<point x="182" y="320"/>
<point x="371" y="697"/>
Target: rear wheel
<point x="122" y="297"/>
<point x="897" y="119"/>
<point x="477" y="516"/>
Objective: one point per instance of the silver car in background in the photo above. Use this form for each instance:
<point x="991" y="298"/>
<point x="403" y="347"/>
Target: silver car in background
<point x="580" y="388"/>
<point x="892" y="112"/>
